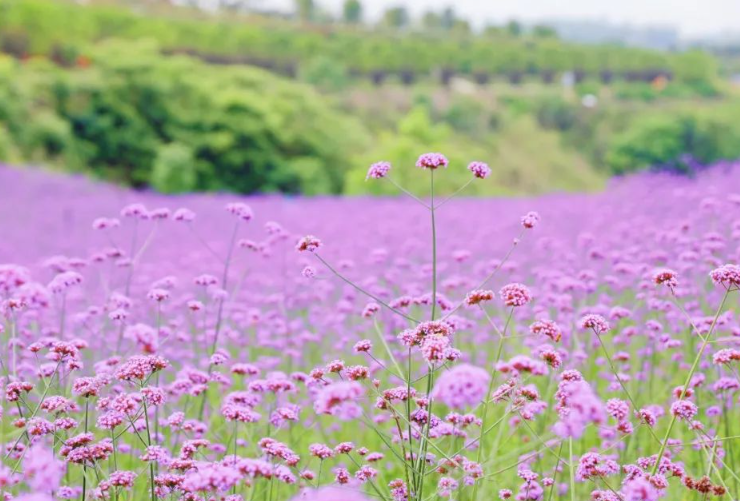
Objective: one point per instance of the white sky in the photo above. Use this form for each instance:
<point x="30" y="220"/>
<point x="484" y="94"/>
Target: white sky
<point x="691" y="17"/>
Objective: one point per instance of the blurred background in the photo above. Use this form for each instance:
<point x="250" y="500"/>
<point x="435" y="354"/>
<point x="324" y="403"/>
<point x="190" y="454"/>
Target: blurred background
<point x="258" y="96"/>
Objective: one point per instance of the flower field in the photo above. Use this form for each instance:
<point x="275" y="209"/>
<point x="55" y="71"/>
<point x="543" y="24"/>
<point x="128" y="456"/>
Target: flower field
<point x="215" y="347"/>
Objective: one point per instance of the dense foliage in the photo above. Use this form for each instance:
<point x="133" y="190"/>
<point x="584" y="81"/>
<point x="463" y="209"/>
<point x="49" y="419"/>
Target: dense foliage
<point x="64" y="30"/>
<point x="141" y="118"/>
<point x="106" y="89"/>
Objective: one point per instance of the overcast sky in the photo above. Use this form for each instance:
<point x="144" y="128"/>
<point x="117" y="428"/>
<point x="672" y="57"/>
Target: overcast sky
<point x="691" y="17"/>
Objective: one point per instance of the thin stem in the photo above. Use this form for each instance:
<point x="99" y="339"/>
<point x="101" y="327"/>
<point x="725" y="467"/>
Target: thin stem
<point x="454" y="194"/>
<point x="204" y="243"/>
<point x="388" y="351"/>
<point x="12" y="345"/>
<point x="572" y="470"/>
<point x="425" y="436"/>
<point x="688" y="381"/>
<point x="434" y="251"/>
<point x="499" y="351"/>
<point x="149" y="443"/>
<point x="540" y="440"/>
<point x="363" y="291"/>
<point x="224" y="281"/>
<point x="555" y="474"/>
<point x="417" y="199"/>
<point x="84" y="466"/>
<point x="490" y="275"/>
<point x="36" y="410"/>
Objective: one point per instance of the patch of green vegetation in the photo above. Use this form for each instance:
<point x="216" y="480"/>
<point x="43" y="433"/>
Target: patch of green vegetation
<point x="140" y="118"/>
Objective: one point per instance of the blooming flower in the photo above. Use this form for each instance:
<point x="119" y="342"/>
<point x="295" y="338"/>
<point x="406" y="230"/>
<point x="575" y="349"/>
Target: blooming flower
<point x="546" y="328"/>
<point x="530" y="220"/>
<point x="432" y="161"/>
<point x="666" y="277"/>
<point x="479" y="169"/>
<point x="515" y="295"/>
<point x="378" y="170"/>
<point x="478" y="296"/>
<point x="462" y="386"/>
<point x="727" y="275"/>
<point x="597" y="323"/>
<point x="308" y="243"/>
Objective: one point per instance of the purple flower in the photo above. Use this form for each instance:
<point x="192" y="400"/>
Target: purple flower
<point x="530" y="220"/>
<point x="515" y="294"/>
<point x="432" y="161"/>
<point x="462" y="386"/>
<point x="479" y="169"/>
<point x="727" y="275"/>
<point x="378" y="170"/>
<point x="597" y="323"/>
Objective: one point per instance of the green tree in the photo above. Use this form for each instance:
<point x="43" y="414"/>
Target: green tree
<point x="352" y="11"/>
<point x="305" y="9"/>
<point x="514" y="28"/>
<point x="543" y="31"/>
<point x="396" y="17"/>
<point x="174" y="169"/>
<point x="448" y="18"/>
<point x="431" y="21"/>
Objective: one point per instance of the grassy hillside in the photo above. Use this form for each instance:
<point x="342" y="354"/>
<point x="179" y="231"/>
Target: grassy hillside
<point x="105" y="89"/>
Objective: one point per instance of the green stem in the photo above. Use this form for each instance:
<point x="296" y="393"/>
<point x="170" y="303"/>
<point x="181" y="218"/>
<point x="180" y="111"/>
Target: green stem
<point x="84" y="467"/>
<point x="425" y="437"/>
<point x="454" y="194"/>
<point x="688" y="381"/>
<point x="363" y="291"/>
<point x="434" y="251"/>
<point x="572" y="470"/>
<point x="406" y="191"/>
<point x="149" y="443"/>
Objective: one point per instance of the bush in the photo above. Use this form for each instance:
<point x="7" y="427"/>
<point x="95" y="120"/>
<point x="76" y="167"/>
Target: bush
<point x="639" y="91"/>
<point x="7" y="149"/>
<point x="325" y="73"/>
<point x="676" y="142"/>
<point x="174" y="169"/>
<point x="466" y="114"/>
<point x="129" y="116"/>
<point x="556" y="113"/>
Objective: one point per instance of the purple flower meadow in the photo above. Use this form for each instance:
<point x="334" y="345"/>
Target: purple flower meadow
<point x="207" y="347"/>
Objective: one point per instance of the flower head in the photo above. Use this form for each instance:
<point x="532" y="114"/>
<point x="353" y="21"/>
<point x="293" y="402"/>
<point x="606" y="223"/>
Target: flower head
<point x="530" y="220"/>
<point x="666" y="277"/>
<point x="515" y="294"/>
<point x="595" y="322"/>
<point x="308" y="243"/>
<point x="546" y="328"/>
<point x="684" y="409"/>
<point x="727" y="275"/>
<point x="479" y="169"/>
<point x="378" y="170"/>
<point x="478" y="296"/>
<point x="462" y="386"/>
<point x="240" y="210"/>
<point x="432" y="161"/>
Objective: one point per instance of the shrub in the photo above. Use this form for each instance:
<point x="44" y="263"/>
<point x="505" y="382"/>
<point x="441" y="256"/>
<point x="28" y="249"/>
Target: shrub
<point x="174" y="169"/>
<point x="556" y="113"/>
<point x="676" y="142"/>
<point x="244" y="129"/>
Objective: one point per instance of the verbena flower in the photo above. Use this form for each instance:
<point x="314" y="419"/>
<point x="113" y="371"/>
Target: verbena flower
<point x="378" y="170"/>
<point x="479" y="169"/>
<point x="432" y="161"/>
